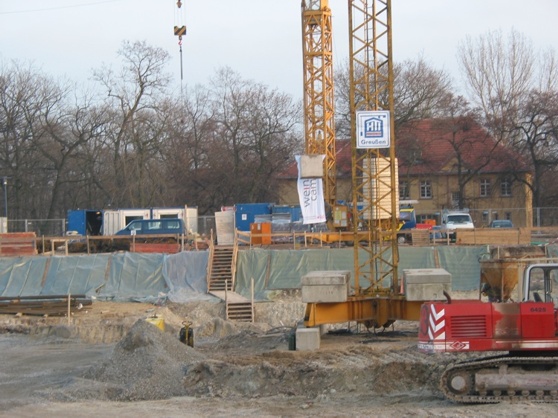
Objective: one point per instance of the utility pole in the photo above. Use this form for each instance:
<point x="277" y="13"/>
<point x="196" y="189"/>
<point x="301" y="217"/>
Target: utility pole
<point x="5" y="184"/>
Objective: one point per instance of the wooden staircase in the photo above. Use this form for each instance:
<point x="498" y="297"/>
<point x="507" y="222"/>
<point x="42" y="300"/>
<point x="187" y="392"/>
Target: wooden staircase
<point x="221" y="268"/>
<point x="238" y="308"/>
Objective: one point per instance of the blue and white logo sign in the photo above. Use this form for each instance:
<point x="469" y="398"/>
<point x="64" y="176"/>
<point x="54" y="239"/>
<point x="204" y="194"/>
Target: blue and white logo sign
<point x="373" y="129"/>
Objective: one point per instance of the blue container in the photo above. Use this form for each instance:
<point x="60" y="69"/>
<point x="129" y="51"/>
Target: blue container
<point x="85" y="221"/>
<point x="294" y="211"/>
<point x="245" y="214"/>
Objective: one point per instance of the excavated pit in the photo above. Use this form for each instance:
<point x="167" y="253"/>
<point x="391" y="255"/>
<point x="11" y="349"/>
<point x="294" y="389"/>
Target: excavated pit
<point x="234" y="369"/>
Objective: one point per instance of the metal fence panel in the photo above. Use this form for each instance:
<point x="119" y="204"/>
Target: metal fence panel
<point x="41" y="227"/>
<point x="544" y="216"/>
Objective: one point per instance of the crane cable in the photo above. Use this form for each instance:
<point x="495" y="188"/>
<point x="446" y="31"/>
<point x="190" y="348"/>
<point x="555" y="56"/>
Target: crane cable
<point x="179" y="30"/>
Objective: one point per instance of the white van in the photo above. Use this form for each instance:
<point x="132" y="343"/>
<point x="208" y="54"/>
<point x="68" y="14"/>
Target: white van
<point x="456" y="220"/>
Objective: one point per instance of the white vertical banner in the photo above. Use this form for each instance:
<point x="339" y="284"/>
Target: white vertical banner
<point x="311" y="197"/>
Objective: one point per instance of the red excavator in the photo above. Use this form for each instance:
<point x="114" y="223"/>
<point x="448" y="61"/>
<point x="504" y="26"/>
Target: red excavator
<point x="526" y="330"/>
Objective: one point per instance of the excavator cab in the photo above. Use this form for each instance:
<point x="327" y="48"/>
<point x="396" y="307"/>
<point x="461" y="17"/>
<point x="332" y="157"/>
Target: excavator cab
<point x="541" y="283"/>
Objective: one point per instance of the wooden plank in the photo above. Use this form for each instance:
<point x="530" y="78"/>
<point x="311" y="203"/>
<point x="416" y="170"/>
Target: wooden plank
<point x="155" y="248"/>
<point x="420" y="236"/>
<point x="493" y="236"/>
<point x="18" y="243"/>
<point x="232" y="297"/>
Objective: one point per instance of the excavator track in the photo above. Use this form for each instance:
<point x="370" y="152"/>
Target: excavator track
<point x="502" y="378"/>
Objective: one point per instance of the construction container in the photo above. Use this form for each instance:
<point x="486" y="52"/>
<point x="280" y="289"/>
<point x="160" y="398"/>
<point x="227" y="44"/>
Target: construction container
<point x="85" y="222"/>
<point x="245" y="214"/>
<point x="294" y="211"/>
<point x="115" y="220"/>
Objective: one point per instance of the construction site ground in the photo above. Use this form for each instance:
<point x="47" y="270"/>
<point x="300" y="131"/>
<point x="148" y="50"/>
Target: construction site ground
<point x="110" y="361"/>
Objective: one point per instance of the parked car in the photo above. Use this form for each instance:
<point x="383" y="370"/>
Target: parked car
<point x="153" y="227"/>
<point x="501" y="223"/>
<point x="451" y="221"/>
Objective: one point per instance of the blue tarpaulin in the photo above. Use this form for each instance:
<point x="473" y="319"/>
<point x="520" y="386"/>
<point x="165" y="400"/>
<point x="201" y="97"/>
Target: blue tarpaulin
<point x="182" y="277"/>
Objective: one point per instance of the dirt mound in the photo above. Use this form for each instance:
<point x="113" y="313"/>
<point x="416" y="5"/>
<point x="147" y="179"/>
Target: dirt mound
<point x="233" y="359"/>
<point x="357" y="370"/>
<point x="146" y="364"/>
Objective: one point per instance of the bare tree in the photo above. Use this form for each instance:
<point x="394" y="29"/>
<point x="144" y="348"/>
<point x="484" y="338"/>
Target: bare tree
<point x="499" y="73"/>
<point x="186" y="151"/>
<point x="515" y="86"/>
<point x="548" y="71"/>
<point x="255" y="135"/>
<point x="135" y="133"/>
<point x="537" y="141"/>
<point x="29" y="101"/>
<point x="419" y="93"/>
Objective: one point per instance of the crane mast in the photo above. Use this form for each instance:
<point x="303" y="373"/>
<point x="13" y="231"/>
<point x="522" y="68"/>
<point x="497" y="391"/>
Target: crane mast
<point x="378" y="299"/>
<point x="319" y="126"/>
<point x="374" y="171"/>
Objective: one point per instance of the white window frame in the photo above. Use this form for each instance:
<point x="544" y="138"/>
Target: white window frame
<point x="425" y="191"/>
<point x="485" y="188"/>
<point x="505" y="187"/>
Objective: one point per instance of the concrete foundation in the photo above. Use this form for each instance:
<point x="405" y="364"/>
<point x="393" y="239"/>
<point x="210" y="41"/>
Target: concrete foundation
<point x="426" y="284"/>
<point x="307" y="339"/>
<point x="325" y="286"/>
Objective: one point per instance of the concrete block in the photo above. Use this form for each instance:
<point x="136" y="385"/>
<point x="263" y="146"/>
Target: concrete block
<point x="426" y="291"/>
<point x="325" y="286"/>
<point x="435" y="275"/>
<point x="311" y="166"/>
<point x="326" y="277"/>
<point x="307" y="339"/>
<point x="426" y="284"/>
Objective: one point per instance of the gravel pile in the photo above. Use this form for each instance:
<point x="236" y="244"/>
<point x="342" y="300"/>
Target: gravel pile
<point x="146" y="364"/>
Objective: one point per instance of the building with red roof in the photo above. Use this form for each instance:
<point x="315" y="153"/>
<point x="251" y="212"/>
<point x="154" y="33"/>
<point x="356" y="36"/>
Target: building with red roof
<point x="445" y="164"/>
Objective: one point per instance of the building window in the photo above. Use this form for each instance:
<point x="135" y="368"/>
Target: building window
<point x="404" y="192"/>
<point x="485" y="188"/>
<point x="456" y="200"/>
<point x="425" y="189"/>
<point x="506" y="187"/>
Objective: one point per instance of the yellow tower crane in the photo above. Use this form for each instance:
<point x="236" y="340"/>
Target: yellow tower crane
<point x="318" y="98"/>
<point x="374" y="169"/>
<point x="378" y="299"/>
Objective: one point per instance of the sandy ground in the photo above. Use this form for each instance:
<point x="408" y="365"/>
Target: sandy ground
<point x="110" y="362"/>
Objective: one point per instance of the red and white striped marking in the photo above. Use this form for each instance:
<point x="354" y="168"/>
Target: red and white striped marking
<point x="437" y="324"/>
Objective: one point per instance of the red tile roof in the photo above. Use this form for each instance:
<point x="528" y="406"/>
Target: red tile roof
<point x="432" y="146"/>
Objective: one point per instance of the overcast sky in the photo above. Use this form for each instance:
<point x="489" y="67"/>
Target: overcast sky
<point x="259" y="39"/>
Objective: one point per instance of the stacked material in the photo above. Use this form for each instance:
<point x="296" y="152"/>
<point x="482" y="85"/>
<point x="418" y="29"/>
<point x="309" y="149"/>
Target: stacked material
<point x="52" y="305"/>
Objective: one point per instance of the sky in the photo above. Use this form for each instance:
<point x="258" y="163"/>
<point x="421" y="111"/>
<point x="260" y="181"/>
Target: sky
<point x="259" y="39"/>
